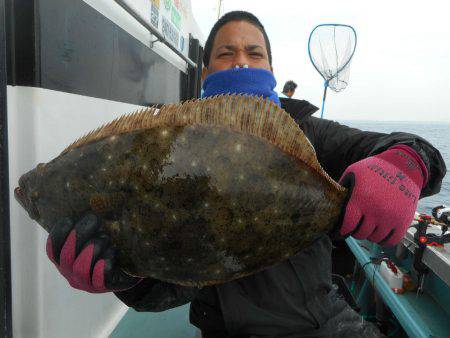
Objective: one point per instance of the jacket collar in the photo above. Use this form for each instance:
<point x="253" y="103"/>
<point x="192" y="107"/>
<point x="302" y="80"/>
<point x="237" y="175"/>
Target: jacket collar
<point x="298" y="109"/>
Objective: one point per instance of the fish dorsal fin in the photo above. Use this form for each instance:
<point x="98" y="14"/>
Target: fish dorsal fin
<point x="248" y="114"/>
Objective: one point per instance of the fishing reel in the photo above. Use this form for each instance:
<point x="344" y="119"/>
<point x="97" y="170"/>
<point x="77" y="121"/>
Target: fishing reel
<point x="423" y="238"/>
<point x="442" y="214"/>
<point x="441" y="217"/>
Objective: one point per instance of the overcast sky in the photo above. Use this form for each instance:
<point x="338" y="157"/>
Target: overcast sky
<point x="401" y="67"/>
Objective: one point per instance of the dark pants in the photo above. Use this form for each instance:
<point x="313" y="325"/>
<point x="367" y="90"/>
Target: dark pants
<point x="345" y="324"/>
<point x="293" y="299"/>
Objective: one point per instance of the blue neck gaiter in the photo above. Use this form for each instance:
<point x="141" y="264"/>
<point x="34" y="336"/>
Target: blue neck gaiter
<point x="250" y="81"/>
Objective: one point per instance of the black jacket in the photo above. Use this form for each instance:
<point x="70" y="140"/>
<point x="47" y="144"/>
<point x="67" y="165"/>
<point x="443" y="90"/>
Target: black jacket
<point x="293" y="296"/>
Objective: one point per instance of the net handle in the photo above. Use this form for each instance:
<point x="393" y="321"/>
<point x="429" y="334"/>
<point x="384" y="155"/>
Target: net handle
<point x="324" y="97"/>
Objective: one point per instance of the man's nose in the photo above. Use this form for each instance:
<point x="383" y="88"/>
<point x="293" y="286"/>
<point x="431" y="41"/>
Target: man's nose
<point x="241" y="59"/>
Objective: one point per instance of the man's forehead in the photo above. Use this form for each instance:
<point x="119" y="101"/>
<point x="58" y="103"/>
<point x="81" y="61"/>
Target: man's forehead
<point x="239" y="32"/>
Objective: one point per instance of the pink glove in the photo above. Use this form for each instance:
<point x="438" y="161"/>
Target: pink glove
<point x="85" y="258"/>
<point x="384" y="192"/>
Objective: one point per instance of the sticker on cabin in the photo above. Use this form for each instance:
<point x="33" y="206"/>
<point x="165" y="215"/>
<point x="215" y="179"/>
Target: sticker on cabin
<point x="154" y="15"/>
<point x="168" y="4"/>
<point x="181" y="42"/>
<point x="173" y="15"/>
<point x="169" y="31"/>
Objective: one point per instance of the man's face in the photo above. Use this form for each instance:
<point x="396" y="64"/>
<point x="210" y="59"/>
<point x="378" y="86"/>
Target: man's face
<point x="290" y="93"/>
<point x="237" y="43"/>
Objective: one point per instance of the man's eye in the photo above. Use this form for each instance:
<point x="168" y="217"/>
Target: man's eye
<point x="225" y="54"/>
<point x="256" y="55"/>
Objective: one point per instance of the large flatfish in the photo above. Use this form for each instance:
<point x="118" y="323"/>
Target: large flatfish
<point x="197" y="193"/>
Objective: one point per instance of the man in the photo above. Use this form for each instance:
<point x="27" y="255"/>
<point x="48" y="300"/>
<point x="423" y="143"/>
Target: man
<point x="294" y="298"/>
<point x="288" y="89"/>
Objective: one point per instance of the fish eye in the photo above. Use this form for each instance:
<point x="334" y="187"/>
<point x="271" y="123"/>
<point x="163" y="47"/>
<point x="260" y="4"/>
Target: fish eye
<point x="34" y="195"/>
<point x="40" y="167"/>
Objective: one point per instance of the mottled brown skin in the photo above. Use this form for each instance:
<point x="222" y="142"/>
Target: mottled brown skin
<point x="194" y="205"/>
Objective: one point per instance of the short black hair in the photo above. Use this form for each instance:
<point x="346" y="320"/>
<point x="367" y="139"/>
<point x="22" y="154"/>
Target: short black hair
<point x="234" y="16"/>
<point x="289" y="86"/>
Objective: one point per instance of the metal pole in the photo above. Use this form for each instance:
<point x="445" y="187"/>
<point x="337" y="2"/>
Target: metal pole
<point x="324" y="97"/>
<point x="153" y="31"/>
<point x="218" y="9"/>
<point x="5" y="245"/>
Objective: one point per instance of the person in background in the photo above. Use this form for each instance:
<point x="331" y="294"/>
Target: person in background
<point x="288" y="89"/>
<point x="295" y="298"/>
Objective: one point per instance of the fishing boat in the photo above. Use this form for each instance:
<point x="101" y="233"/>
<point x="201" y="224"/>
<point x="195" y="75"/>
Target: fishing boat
<point x="68" y="66"/>
<point x="405" y="289"/>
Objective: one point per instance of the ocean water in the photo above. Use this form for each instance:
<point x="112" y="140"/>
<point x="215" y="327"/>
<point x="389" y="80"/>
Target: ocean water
<point x="438" y="134"/>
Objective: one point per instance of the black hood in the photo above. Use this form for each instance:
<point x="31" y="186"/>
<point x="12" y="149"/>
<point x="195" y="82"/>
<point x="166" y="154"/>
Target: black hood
<point x="298" y="109"/>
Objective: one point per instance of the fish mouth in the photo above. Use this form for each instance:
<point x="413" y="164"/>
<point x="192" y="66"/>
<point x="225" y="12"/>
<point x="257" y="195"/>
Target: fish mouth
<point x="26" y="203"/>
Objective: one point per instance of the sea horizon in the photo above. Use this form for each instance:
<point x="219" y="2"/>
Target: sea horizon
<point x="393" y="121"/>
